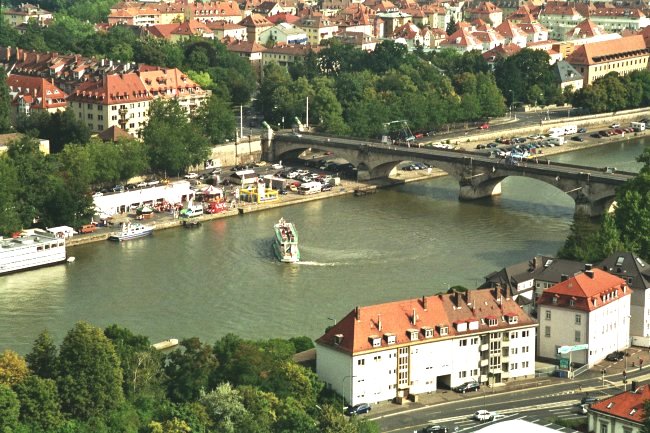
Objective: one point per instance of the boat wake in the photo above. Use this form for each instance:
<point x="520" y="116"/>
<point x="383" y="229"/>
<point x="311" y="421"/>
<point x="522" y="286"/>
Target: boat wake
<point x="317" y="264"/>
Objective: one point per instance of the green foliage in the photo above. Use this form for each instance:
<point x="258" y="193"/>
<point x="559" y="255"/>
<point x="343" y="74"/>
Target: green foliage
<point x="173" y="144"/>
<point x="216" y="120"/>
<point x="39" y="404"/>
<point x="452" y="27"/>
<point x="90" y="377"/>
<point x="59" y="128"/>
<point x="5" y="103"/>
<point x="225" y="408"/>
<point x="579" y="245"/>
<point x="302" y="343"/>
<point x="13" y="368"/>
<point x="189" y="371"/>
<point x="516" y="75"/>
<point x="613" y="93"/>
<point x="9" y="409"/>
<point x="10" y="220"/>
<point x="43" y="358"/>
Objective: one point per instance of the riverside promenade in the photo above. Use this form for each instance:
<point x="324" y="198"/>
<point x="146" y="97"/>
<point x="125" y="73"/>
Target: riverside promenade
<point x="465" y="142"/>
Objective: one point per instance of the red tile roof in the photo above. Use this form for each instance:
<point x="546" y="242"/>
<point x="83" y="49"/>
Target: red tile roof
<point x="37" y="92"/>
<point x="256" y="20"/>
<point x="168" y="82"/>
<point x="283" y="17"/>
<point x="626" y="405"/>
<point x="598" y="52"/>
<point x="353" y="333"/>
<point x="586" y="291"/>
<point x="113" y="89"/>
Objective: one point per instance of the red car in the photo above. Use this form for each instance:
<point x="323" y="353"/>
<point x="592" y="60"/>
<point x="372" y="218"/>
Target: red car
<point x="484" y="126"/>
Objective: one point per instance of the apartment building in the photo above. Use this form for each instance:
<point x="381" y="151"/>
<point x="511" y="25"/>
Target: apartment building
<point x="590" y="310"/>
<point x="404" y="348"/>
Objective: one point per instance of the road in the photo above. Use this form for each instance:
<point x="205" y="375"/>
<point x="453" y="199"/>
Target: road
<point x="544" y="401"/>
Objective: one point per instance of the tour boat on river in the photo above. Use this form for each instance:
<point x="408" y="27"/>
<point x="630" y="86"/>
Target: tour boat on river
<point x="131" y="231"/>
<point x="31" y="249"/>
<point x="285" y="243"/>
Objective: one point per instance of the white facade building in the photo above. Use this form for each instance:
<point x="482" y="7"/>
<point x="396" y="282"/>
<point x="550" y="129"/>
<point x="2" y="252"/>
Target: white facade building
<point x="395" y="350"/>
<point x="593" y="308"/>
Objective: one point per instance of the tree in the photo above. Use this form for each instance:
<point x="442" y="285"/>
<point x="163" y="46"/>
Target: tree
<point x="579" y="244"/>
<point x="43" y="358"/>
<point x="173" y="425"/>
<point x="189" y="370"/>
<point x="224" y="407"/>
<point x="13" y="368"/>
<point x="326" y="108"/>
<point x="517" y="74"/>
<point x="216" y="119"/>
<point x="173" y="144"/>
<point x="39" y="404"/>
<point x="5" y="103"/>
<point x="10" y="221"/>
<point x="9" y="409"/>
<point x="452" y="27"/>
<point x="90" y="377"/>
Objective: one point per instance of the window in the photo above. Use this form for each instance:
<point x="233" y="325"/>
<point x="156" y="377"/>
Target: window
<point x="90" y="116"/>
<point x="577" y="336"/>
<point x="361" y="362"/>
<point x="462" y="343"/>
<point x="90" y="106"/>
<point x="100" y="117"/>
<point x="524" y="364"/>
<point x="547" y="331"/>
<point x="578" y="319"/>
<point x="524" y="349"/>
<point x="548" y="314"/>
<point x="604" y="427"/>
<point x="525" y="334"/>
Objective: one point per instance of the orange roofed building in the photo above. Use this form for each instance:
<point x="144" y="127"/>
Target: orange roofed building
<point x="590" y="309"/>
<point x="624" y="412"/>
<point x="597" y="59"/>
<point x="30" y="94"/>
<point x="403" y="348"/>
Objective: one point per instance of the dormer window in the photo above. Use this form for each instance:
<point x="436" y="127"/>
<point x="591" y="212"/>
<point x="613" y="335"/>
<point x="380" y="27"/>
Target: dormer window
<point x="375" y="340"/>
<point x="512" y="319"/>
<point x="473" y="324"/>
<point x="443" y="330"/>
<point x="572" y="303"/>
<point x="412" y="334"/>
<point x="461" y="326"/>
<point x="554" y="300"/>
<point x="390" y="338"/>
<point x="428" y="332"/>
<point x="338" y="338"/>
<point x="492" y="321"/>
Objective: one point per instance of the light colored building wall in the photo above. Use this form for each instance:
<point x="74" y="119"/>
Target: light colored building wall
<point x="334" y="368"/>
<point x="623" y="67"/>
<point x="609" y="329"/>
<point x="599" y="422"/>
<point x="375" y="377"/>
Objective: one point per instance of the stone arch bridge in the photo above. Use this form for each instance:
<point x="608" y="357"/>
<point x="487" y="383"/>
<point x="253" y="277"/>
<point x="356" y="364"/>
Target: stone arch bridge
<point x="479" y="175"/>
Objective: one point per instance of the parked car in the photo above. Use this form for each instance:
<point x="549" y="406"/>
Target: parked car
<point x="118" y="188"/>
<point x="615" y="125"/>
<point x="615" y="356"/>
<point x="480" y="146"/>
<point x="358" y="409"/>
<point x="87" y="228"/>
<point x="484" y="126"/>
<point x="595" y="135"/>
<point x="326" y="187"/>
<point x="484" y="415"/>
<point x="582" y="130"/>
<point x="577" y="138"/>
<point x="98" y="194"/>
<point x="141" y="184"/>
<point x="191" y="175"/>
<point x="435" y="429"/>
<point x="588" y="400"/>
<point x="468" y="386"/>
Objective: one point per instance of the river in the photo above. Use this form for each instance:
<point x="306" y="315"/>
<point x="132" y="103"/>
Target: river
<point x="402" y="242"/>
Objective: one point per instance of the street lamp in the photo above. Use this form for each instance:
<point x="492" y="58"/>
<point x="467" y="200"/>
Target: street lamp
<point x="343" y="386"/>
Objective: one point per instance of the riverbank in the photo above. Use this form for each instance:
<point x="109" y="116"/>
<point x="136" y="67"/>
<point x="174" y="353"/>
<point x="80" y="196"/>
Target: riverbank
<point x="163" y="221"/>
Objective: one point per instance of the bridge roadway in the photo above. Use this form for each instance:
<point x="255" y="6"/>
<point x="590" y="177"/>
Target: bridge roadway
<point x="479" y="175"/>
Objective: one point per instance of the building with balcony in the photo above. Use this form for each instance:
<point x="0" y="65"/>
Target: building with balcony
<point x="592" y="309"/>
<point x="24" y="13"/>
<point x="414" y="346"/>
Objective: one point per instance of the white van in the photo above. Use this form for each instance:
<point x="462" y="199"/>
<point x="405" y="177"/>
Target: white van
<point x="555" y="141"/>
<point x="570" y="129"/>
<point x="638" y="126"/>
<point x="556" y="132"/>
<point x="310" y="188"/>
<point x="192" y="211"/>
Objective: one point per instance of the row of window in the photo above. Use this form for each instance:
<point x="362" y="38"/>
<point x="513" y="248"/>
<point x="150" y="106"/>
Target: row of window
<point x="515" y="365"/>
<point x="577" y="336"/>
<point x="470" y="373"/>
<point x="578" y="317"/>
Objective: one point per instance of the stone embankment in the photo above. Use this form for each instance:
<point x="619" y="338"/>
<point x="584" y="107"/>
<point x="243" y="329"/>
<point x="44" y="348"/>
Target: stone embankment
<point x="167" y="220"/>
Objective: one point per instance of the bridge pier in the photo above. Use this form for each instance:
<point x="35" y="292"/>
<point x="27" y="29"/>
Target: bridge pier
<point x="469" y="191"/>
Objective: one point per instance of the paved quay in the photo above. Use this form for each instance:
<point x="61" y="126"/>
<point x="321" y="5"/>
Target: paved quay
<point x="166" y="220"/>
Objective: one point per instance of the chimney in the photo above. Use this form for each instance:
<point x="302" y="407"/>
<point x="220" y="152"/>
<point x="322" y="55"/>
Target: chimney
<point x="414" y="318"/>
<point x="588" y="266"/>
<point x="589" y="273"/>
<point x="424" y="303"/>
<point x="564" y="277"/>
<point x="357" y="313"/>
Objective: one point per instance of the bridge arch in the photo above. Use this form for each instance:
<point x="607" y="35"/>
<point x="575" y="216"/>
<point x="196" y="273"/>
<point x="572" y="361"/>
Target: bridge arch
<point x="592" y="189"/>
